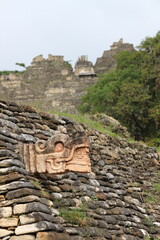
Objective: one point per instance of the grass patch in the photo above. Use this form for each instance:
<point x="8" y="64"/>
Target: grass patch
<point x="150" y="198"/>
<point x="86" y="120"/>
<point x="148" y="222"/>
<point x="153" y="195"/>
<point x="73" y="216"/>
<point x="8" y="72"/>
<point x="156" y="187"/>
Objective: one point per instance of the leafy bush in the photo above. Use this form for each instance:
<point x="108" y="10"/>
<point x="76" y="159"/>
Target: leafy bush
<point x="131" y="93"/>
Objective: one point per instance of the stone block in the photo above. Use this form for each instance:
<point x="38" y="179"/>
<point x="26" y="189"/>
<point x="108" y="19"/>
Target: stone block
<point x="8" y="222"/>
<point x="21" y="193"/>
<point x="10" y="177"/>
<point x="52" y="235"/>
<point x="4" y="233"/>
<point x="30" y="198"/>
<point x="31" y="207"/>
<point x="24" y="237"/>
<point x="37" y="227"/>
<point x="15" y="185"/>
<point x="35" y="217"/>
<point x="5" y="212"/>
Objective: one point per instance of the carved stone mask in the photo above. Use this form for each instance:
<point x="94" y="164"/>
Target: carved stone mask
<point x="58" y="154"/>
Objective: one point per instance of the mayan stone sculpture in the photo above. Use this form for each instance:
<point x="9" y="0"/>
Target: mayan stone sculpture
<point x="58" y="154"/>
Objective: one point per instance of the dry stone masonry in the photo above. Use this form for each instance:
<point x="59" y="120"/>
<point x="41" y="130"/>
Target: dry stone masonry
<point x="116" y="200"/>
<point x="52" y="84"/>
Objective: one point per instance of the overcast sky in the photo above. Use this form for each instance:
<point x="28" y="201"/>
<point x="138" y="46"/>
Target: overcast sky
<point x="71" y="27"/>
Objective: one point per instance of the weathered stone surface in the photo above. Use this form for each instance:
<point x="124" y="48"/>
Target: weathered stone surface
<point x="30" y="207"/>
<point x="11" y="162"/>
<point x="6" y="123"/>
<point x="8" y="153"/>
<point x="24" y="237"/>
<point x="37" y="227"/>
<point x="12" y="169"/>
<point x="30" y="198"/>
<point x="8" y="222"/>
<point x="5" y="212"/>
<point x="15" y="185"/>
<point x="52" y="235"/>
<point x="21" y="192"/>
<point x="4" y="233"/>
<point x="10" y="177"/>
<point x="35" y="217"/>
<point x="27" y="138"/>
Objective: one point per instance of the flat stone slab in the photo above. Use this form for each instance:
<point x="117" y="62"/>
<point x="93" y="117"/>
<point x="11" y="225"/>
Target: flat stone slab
<point x="52" y="235"/>
<point x="8" y="222"/>
<point x="15" y="185"/>
<point x="35" y="217"/>
<point x="4" y="233"/>
<point x="5" y="212"/>
<point x="10" y="177"/>
<point x="25" y="199"/>
<point x="24" y="237"/>
<point x="37" y="227"/>
<point x="31" y="207"/>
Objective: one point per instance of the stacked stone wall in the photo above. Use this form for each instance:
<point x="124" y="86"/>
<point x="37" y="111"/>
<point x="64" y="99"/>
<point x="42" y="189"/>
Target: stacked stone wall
<point x="108" y="203"/>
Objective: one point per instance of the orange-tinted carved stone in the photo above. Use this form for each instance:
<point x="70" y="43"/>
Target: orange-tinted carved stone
<point x="58" y="154"/>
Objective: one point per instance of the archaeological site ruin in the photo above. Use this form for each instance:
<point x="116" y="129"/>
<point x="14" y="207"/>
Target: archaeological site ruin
<point x="61" y="180"/>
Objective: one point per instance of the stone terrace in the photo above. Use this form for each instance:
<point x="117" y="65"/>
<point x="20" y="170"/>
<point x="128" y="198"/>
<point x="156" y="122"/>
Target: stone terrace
<point x="108" y="203"/>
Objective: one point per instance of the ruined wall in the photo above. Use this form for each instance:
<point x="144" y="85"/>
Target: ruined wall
<point x="47" y="84"/>
<point x="52" y="84"/>
<point x="107" y="61"/>
<point x="110" y="202"/>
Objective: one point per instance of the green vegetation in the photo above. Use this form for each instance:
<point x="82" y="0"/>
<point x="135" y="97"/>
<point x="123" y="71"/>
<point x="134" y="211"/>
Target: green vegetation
<point x="156" y="187"/>
<point x="21" y="65"/>
<point x="8" y="72"/>
<point x="86" y="120"/>
<point x="148" y="222"/>
<point x="73" y="216"/>
<point x="151" y="238"/>
<point x="5" y="72"/>
<point x="153" y="195"/>
<point x="68" y="65"/>
<point x="131" y="93"/>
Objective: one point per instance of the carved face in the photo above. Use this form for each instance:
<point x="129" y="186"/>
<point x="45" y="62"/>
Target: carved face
<point x="57" y="155"/>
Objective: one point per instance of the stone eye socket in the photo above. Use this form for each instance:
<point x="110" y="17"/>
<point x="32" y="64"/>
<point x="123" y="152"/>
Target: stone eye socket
<point x="58" y="147"/>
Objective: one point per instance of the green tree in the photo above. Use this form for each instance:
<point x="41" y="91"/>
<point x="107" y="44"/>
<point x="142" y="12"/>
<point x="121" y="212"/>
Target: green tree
<point x="131" y="93"/>
<point x="21" y="64"/>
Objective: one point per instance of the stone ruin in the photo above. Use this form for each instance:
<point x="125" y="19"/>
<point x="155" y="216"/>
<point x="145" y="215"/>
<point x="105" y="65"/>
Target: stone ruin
<point x="53" y="85"/>
<point x="107" y="61"/>
<point x="84" y="67"/>
<point x="112" y="197"/>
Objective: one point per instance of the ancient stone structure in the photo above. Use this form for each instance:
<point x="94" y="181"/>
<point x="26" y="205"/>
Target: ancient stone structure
<point x="84" y="67"/>
<point x="107" y="61"/>
<point x="118" y="200"/>
<point x="58" y="154"/>
<point x="48" y="84"/>
<point x="52" y="84"/>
